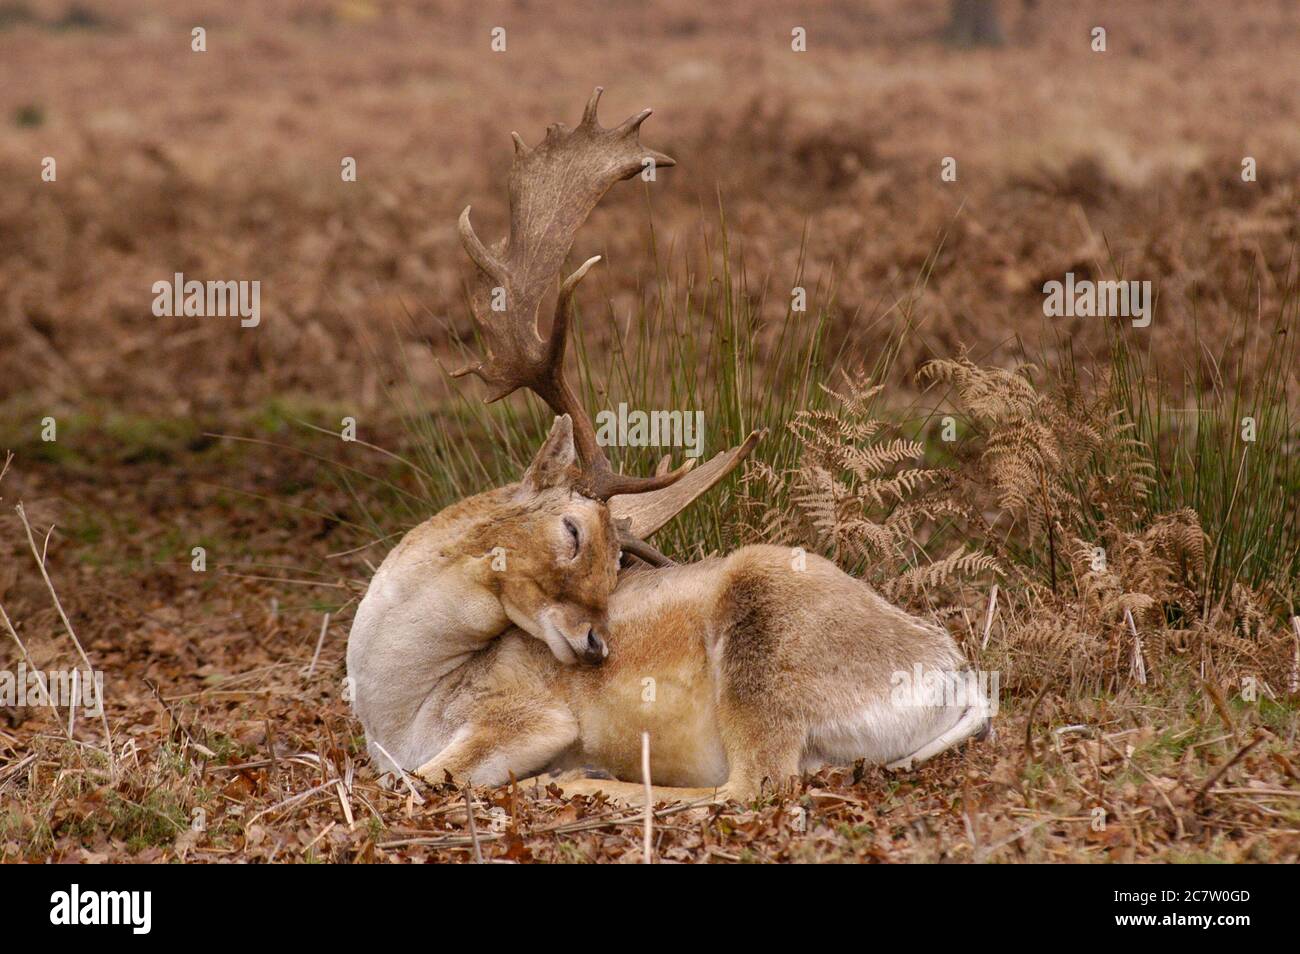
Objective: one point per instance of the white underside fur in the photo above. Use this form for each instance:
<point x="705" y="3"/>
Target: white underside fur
<point x="898" y="738"/>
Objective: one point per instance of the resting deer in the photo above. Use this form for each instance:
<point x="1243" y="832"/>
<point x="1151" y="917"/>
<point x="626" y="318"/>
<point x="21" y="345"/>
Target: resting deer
<point x="501" y="638"/>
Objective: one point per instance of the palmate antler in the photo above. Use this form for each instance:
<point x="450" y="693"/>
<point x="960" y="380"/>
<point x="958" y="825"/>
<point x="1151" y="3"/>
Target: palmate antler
<point x="553" y="188"/>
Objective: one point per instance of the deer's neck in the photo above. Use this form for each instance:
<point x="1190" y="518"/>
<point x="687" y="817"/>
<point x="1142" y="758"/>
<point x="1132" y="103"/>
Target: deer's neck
<point x="425" y="616"/>
<point x="449" y="619"/>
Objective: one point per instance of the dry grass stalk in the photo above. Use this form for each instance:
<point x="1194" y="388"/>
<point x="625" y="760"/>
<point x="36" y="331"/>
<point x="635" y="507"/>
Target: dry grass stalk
<point x="31" y="665"/>
<point x="988" y="619"/>
<point x="473" y="828"/>
<point x="67" y="624"/>
<point x="320" y="641"/>
<point x="647" y="857"/>
<point x="1139" y="662"/>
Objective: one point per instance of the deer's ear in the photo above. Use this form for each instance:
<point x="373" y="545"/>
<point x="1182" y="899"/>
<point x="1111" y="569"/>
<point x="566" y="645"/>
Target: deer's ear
<point x="553" y="465"/>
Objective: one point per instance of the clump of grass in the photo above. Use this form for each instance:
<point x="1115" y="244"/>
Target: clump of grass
<point x="152" y="821"/>
<point x="1229" y="454"/>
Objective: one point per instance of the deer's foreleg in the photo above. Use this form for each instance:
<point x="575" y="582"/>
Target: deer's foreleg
<point x="490" y="750"/>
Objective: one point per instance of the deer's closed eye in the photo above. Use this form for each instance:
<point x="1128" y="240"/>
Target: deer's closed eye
<point x="574" y="535"/>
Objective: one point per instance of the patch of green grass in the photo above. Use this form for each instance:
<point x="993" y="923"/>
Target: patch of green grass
<point x="853" y="833"/>
<point x="153" y="821"/>
<point x="99" y="434"/>
<point x="85" y="529"/>
<point x="172" y="761"/>
<point x="1033" y="774"/>
<point x="227" y="750"/>
<point x="1166" y="747"/>
<point x="1280" y="717"/>
<point x="32" y="834"/>
<point x="1227" y="449"/>
<point x="29" y="116"/>
<point x="137" y="439"/>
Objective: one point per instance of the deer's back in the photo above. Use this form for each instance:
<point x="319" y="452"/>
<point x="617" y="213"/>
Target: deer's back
<point x="813" y="645"/>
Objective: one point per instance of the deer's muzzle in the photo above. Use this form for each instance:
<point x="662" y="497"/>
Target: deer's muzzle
<point x="595" y="651"/>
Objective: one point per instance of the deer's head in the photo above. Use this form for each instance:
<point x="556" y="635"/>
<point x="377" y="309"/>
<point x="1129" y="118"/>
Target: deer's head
<point x="559" y="555"/>
<point x="574" y="513"/>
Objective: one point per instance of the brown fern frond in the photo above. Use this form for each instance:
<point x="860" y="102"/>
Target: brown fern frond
<point x="920" y="579"/>
<point x="858" y="493"/>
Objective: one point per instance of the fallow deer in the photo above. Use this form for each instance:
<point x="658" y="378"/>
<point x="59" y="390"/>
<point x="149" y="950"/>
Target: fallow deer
<point x="744" y="669"/>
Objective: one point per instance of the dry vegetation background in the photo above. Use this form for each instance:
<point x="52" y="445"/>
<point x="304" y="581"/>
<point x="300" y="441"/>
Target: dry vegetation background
<point x="226" y="165"/>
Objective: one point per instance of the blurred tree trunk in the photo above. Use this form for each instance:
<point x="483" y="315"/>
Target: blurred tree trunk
<point x="974" y="23"/>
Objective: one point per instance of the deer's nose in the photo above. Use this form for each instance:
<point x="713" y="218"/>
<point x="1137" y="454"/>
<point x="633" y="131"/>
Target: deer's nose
<point x="596" y="650"/>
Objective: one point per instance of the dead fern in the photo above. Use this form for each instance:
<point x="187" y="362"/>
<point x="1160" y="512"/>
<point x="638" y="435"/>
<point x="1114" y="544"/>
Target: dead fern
<point x="1062" y="489"/>
<point x="1050" y="490"/>
<point x="957" y="565"/>
<point x="859" y="496"/>
<point x="1030" y="442"/>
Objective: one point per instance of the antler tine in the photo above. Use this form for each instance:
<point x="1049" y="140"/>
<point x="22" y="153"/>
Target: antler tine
<point x="642" y="550"/>
<point x="477" y="251"/>
<point x="564" y="314"/>
<point x="633" y="123"/>
<point x="589" y="113"/>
